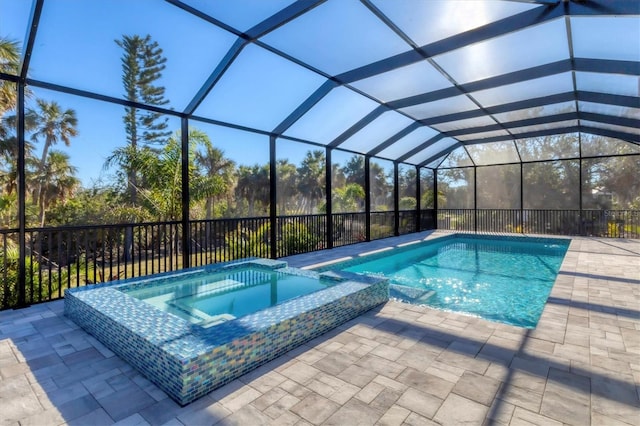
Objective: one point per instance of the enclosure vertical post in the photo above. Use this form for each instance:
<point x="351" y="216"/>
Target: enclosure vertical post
<point x="22" y="249"/>
<point x="475" y="199"/>
<point x="186" y="196"/>
<point x="396" y="201"/>
<point x="435" y="198"/>
<point x="328" y="195"/>
<point x="23" y="68"/>
<point x="580" y="183"/>
<point x="272" y="197"/>
<point x="418" y="207"/>
<point x="367" y="197"/>
<point x="521" y="198"/>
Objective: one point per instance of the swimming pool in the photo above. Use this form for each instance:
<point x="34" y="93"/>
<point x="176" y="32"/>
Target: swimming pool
<point x="505" y="279"/>
<point x="208" y="298"/>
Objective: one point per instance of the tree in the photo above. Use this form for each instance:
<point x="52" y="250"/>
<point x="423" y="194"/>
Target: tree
<point x="381" y="187"/>
<point x="9" y="61"/>
<point x="9" y="164"/>
<point x="253" y="186"/>
<point x="346" y="199"/>
<point x="161" y="171"/>
<point x="287" y="187"/>
<point x="57" y="182"/>
<point x="216" y="171"/>
<point x="498" y="187"/>
<point x="338" y="179"/>
<point x="354" y="170"/>
<point x="311" y="175"/>
<point x="53" y="124"/>
<point x="407" y="188"/>
<point x="610" y="182"/>
<point x="455" y="188"/>
<point x="142" y="65"/>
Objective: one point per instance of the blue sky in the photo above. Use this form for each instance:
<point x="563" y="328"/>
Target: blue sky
<point x="75" y="47"/>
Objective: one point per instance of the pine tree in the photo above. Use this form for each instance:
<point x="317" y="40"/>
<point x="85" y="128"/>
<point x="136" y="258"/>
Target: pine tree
<point x="142" y="65"/>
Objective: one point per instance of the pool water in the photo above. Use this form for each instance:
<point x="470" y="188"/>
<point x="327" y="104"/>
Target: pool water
<point x="501" y="279"/>
<point x="209" y="298"/>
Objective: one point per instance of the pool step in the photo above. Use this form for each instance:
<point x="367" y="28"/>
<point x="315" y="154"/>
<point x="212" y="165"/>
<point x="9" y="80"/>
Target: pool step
<point x="425" y="297"/>
<point x="410" y="294"/>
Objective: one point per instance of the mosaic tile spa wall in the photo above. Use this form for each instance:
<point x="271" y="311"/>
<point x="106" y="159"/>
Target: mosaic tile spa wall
<point x="188" y="361"/>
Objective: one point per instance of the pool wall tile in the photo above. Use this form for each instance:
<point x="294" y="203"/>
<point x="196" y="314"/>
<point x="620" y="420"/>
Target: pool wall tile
<point x="188" y="361"/>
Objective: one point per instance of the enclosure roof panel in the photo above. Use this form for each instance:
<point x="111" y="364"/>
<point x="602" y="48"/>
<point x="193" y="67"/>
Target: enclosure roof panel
<point x="407" y="80"/>
<point x="456" y="16"/>
<point x="240" y="14"/>
<point x="265" y="88"/>
<point x="70" y="53"/>
<point x="337" y="36"/>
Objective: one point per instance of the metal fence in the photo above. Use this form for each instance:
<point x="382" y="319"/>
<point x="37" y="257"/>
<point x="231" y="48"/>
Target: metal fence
<point x="300" y="234"/>
<point x="221" y="240"/>
<point x="349" y="228"/>
<point x="58" y="258"/>
<point x="382" y="225"/>
<point x="597" y="223"/>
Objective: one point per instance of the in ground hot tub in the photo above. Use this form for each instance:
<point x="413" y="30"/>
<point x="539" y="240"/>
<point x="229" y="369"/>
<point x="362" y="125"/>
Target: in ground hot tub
<point x="195" y="330"/>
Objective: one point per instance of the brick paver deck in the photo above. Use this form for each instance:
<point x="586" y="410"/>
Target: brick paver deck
<point x="398" y="364"/>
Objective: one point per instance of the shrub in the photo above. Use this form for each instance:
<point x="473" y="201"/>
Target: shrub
<point x="296" y="238"/>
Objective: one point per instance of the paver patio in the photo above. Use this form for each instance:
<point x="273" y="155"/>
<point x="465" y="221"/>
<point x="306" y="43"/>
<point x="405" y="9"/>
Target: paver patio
<point x="397" y="364"/>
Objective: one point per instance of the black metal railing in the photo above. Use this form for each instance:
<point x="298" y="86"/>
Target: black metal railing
<point x="349" y="228"/>
<point x="58" y="258"/>
<point x="9" y="263"/>
<point x="598" y="223"/>
<point x="301" y="234"/>
<point x="407" y="222"/>
<point x="491" y="220"/>
<point x="456" y="219"/>
<point x="221" y="240"/>
<point x="382" y="225"/>
<point x="428" y="220"/>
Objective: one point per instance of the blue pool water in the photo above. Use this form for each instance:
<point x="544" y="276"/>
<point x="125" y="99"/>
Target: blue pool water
<point x="500" y="279"/>
<point x="209" y="298"/>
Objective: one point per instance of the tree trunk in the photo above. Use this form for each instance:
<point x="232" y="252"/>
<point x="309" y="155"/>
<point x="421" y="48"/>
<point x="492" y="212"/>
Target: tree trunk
<point x="43" y="163"/>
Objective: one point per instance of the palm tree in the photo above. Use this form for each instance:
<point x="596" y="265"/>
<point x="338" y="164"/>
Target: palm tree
<point x="8" y="163"/>
<point x="253" y="186"/>
<point x="381" y="187"/>
<point x="312" y="178"/>
<point x="9" y="60"/>
<point x="54" y="125"/>
<point x="58" y="182"/>
<point x="160" y="172"/>
<point x="287" y="186"/>
<point x="217" y="172"/>
<point x="354" y="170"/>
